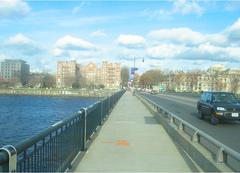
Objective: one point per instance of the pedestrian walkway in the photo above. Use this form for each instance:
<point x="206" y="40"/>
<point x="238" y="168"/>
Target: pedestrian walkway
<point x="132" y="140"/>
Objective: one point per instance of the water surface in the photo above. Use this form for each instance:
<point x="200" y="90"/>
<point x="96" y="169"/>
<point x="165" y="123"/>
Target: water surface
<point x="24" y="116"/>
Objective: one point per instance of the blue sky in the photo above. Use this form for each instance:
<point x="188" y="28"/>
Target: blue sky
<point x="175" y="35"/>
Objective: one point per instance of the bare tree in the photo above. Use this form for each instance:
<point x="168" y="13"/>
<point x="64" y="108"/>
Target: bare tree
<point x="150" y="78"/>
<point x="235" y="82"/>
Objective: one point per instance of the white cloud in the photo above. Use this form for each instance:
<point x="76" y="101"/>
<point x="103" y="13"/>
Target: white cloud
<point x="73" y="47"/>
<point x="13" y="8"/>
<point x="23" y="44"/>
<point x="131" y="41"/>
<point x="233" y="32"/>
<point x="177" y="35"/>
<point x="59" y="52"/>
<point x="187" y="36"/>
<point x="19" y="39"/>
<point x="217" y="39"/>
<point x="3" y="56"/>
<point x="163" y="51"/>
<point x="187" y="7"/>
<point x="73" y="43"/>
<point x="98" y="33"/>
<point x="205" y="51"/>
<point x="182" y="7"/>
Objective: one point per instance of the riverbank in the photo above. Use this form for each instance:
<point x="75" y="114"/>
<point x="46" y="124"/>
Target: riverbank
<point x="57" y="92"/>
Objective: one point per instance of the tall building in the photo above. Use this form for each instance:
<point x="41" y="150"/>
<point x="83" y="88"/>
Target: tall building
<point x="15" y="70"/>
<point x="111" y="74"/>
<point x="91" y="74"/>
<point x="67" y="74"/>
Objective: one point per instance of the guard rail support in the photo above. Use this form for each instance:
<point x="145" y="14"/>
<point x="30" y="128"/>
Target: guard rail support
<point x="9" y="153"/>
<point x="85" y="128"/>
<point x="194" y="137"/>
<point x="220" y="155"/>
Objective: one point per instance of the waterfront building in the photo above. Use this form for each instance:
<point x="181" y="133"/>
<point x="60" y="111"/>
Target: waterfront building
<point x="68" y="73"/>
<point x="15" y="70"/>
<point x="111" y="74"/>
<point x="92" y="74"/>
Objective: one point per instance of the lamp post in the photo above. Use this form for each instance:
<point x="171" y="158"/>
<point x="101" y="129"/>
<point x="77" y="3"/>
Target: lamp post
<point x="134" y="69"/>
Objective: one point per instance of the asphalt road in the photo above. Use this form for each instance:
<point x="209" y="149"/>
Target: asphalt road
<point x="186" y="108"/>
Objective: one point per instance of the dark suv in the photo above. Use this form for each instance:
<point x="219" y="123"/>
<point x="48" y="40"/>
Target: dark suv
<point x="218" y="105"/>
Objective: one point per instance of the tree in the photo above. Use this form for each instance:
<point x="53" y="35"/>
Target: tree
<point x="124" y="76"/>
<point x="235" y="81"/>
<point x="192" y="79"/>
<point x="48" y="81"/>
<point x="43" y="80"/>
<point x="150" y="78"/>
<point x="136" y="79"/>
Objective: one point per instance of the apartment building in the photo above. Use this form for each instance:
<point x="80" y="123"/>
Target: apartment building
<point x="92" y="74"/>
<point x="15" y="70"/>
<point x="111" y="74"/>
<point x="67" y="74"/>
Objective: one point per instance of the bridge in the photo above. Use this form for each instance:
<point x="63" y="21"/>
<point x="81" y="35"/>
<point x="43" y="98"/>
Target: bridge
<point x="133" y="133"/>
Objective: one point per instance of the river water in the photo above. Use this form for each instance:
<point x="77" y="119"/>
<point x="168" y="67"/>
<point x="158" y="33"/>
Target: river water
<point x="22" y="117"/>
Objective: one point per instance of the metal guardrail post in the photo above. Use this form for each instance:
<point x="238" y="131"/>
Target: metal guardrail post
<point x="220" y="155"/>
<point x="101" y="113"/>
<point x="180" y="126"/>
<point x="85" y="129"/>
<point x="171" y="119"/>
<point x="109" y="104"/>
<point x="194" y="137"/>
<point x="8" y="154"/>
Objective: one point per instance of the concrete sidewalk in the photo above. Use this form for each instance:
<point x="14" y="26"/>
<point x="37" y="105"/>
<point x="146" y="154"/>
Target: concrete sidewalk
<point x="131" y="140"/>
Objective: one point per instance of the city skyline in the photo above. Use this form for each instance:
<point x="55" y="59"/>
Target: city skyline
<point x="176" y="35"/>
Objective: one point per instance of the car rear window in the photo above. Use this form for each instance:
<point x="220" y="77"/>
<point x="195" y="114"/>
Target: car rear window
<point x="224" y="98"/>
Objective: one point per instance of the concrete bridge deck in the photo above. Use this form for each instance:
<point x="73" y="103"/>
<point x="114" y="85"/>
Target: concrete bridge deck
<point x="132" y="140"/>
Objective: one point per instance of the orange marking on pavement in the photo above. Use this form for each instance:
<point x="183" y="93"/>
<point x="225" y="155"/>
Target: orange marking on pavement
<point x="123" y="143"/>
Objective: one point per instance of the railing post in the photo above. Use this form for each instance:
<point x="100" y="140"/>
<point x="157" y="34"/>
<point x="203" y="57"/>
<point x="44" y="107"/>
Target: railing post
<point x="194" y="137"/>
<point x="220" y="155"/>
<point x="101" y="113"/>
<point x="8" y="159"/>
<point x="109" y="104"/>
<point x="180" y="126"/>
<point x="85" y="129"/>
<point x="171" y="119"/>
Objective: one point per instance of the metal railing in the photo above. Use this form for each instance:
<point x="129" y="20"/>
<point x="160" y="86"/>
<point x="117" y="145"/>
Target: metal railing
<point x="221" y="152"/>
<point x="54" y="149"/>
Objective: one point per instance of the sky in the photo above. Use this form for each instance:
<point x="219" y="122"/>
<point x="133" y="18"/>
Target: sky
<point x="171" y="34"/>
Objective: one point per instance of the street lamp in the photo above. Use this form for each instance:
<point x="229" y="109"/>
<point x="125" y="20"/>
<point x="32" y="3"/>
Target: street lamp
<point x="134" y="69"/>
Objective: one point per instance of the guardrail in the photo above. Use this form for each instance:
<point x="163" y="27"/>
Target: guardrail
<point x="221" y="152"/>
<point x="54" y="149"/>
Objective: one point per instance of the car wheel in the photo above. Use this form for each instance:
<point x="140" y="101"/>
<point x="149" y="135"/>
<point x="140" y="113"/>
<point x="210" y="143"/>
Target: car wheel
<point x="200" y="114"/>
<point x="214" y="120"/>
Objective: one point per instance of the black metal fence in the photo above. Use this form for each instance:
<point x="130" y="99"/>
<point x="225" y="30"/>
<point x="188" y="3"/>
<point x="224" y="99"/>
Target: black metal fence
<point x="54" y="149"/>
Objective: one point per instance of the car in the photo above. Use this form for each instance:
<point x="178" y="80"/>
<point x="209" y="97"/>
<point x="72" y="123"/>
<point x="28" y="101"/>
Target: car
<point x="153" y="92"/>
<point x="218" y="106"/>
